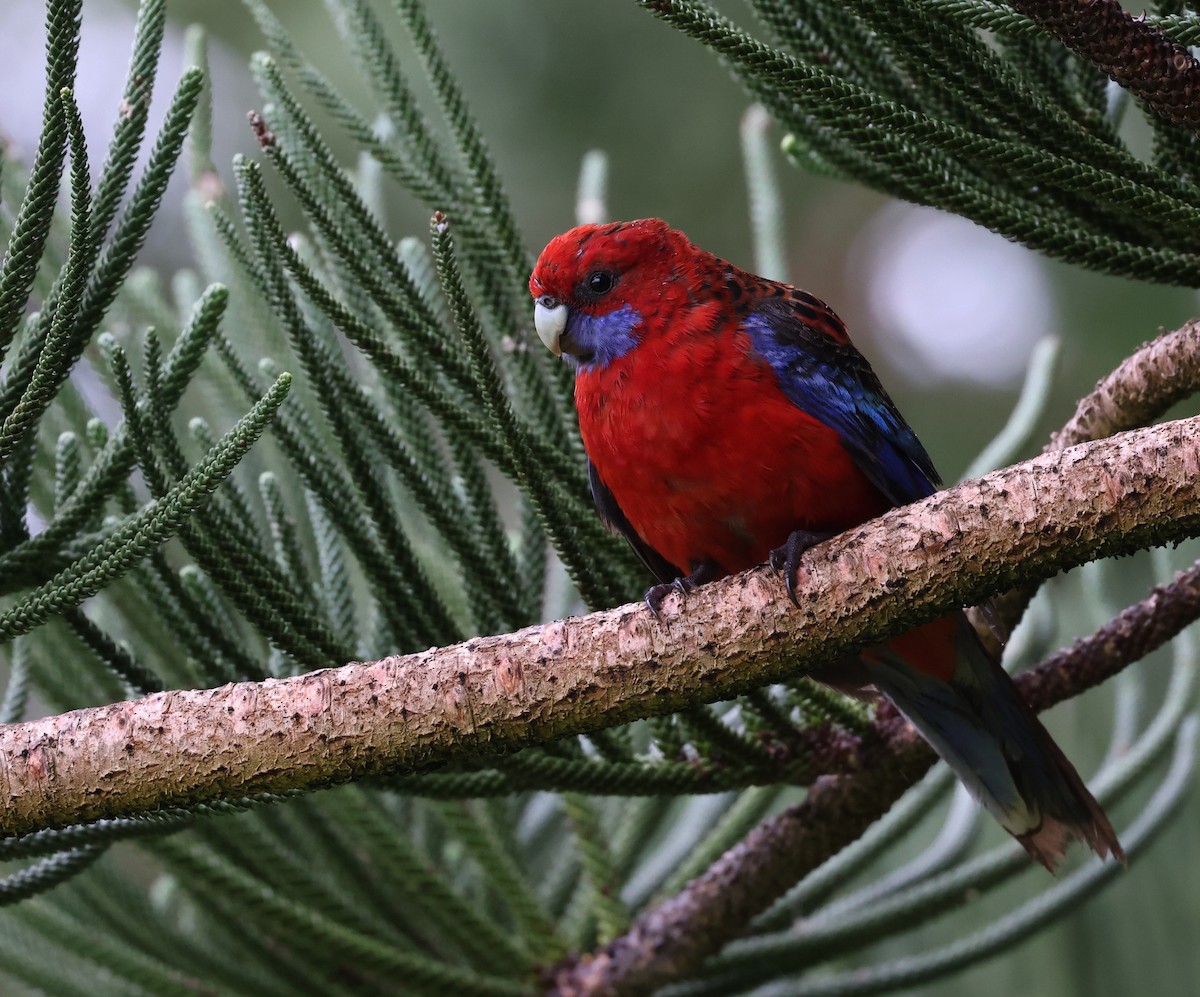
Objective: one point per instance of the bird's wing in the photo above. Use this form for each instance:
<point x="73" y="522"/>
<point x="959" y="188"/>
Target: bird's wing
<point x="821" y="372"/>
<point x="612" y="517"/>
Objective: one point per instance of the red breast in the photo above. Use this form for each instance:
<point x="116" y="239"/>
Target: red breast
<point x="705" y="455"/>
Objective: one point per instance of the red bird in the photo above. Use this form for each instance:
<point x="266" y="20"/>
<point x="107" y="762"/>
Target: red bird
<point x="728" y="420"/>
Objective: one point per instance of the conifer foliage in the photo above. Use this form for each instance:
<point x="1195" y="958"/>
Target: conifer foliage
<point x="383" y="404"/>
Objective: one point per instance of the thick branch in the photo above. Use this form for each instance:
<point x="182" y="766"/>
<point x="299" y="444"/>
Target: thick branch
<point x="1142" y="388"/>
<point x="405" y="713"/>
<point x="670" y="941"/>
<point x="1135" y="54"/>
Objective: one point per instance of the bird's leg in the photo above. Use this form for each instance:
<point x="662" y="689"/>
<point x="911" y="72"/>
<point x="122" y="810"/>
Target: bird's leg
<point x="702" y="573"/>
<point x="787" y="557"/>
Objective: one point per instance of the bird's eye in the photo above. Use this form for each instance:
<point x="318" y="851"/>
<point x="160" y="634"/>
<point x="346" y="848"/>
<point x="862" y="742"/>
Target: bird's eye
<point x="600" y="282"/>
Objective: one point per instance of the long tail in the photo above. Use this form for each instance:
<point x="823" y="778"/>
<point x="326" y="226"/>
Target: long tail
<point x="966" y="706"/>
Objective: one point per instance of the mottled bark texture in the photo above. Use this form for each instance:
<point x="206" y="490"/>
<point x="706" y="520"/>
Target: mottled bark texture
<point x="671" y="940"/>
<point x="421" y="710"/>
<point x="1135" y="54"/>
<point x="1158" y="375"/>
<point x="1142" y="388"/>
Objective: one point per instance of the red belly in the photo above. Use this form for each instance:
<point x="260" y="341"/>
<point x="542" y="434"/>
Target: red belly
<point x="707" y="458"/>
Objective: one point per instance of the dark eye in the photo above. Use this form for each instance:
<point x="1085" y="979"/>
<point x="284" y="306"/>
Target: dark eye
<point x="600" y="282"/>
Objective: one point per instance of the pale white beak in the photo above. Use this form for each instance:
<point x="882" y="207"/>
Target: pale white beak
<point x="550" y="319"/>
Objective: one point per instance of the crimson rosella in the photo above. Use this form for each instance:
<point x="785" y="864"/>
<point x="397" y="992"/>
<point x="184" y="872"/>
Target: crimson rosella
<point x="728" y="420"/>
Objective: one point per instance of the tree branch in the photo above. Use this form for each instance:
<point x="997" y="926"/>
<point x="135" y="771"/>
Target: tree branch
<point x="1142" y="388"/>
<point x="497" y="693"/>
<point x="671" y="941"/>
<point x="1135" y="54"/>
<point x="1156" y="376"/>
<point x="1127" y="637"/>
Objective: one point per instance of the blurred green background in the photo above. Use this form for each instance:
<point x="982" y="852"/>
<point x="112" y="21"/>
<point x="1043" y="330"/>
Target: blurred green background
<point x="947" y="313"/>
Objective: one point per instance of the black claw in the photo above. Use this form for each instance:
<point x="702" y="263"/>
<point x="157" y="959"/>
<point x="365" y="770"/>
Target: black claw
<point x="787" y="557"/>
<point x="655" y="595"/>
<point x="706" y="571"/>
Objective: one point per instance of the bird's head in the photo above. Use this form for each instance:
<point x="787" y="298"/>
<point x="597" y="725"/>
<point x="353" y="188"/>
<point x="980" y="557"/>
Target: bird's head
<point x="595" y="287"/>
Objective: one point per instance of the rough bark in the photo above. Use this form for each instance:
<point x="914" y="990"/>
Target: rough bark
<point x="1142" y="388"/>
<point x="670" y="941"/>
<point x="1156" y="376"/>
<point x="418" y="711"/>
<point x="1135" y="54"/>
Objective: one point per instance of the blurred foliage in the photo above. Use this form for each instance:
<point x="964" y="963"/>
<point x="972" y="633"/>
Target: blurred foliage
<point x="419" y="480"/>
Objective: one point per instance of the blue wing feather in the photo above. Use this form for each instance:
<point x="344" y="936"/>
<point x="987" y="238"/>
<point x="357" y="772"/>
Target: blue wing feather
<point x="822" y="374"/>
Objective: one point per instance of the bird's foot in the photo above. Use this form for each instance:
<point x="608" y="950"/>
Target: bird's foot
<point x="704" y="572"/>
<point x="787" y="557"/>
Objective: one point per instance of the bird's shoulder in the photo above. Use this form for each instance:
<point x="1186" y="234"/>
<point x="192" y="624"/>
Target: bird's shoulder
<point x="820" y="371"/>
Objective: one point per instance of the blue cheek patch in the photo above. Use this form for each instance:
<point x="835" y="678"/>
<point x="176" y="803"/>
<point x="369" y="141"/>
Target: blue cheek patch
<point x="605" y="337"/>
